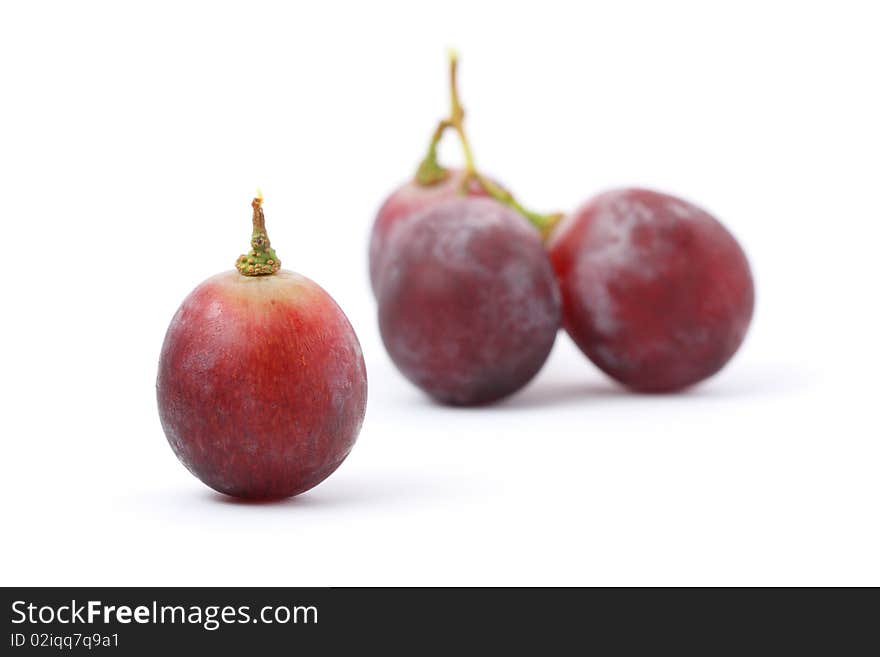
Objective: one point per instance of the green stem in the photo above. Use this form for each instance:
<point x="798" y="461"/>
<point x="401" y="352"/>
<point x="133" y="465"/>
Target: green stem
<point x="261" y="260"/>
<point x="456" y="116"/>
<point x="543" y="222"/>
<point x="430" y="170"/>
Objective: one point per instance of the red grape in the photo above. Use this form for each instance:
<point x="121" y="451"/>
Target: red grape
<point x="656" y="292"/>
<point x="262" y="386"/>
<point x="468" y="305"/>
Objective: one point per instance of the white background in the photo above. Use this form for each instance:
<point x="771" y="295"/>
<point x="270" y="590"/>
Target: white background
<point x="132" y="139"/>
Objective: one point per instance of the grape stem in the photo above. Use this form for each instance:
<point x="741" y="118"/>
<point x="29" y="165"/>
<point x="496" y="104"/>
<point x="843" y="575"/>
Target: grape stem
<point x="261" y="259"/>
<point x="430" y="171"/>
